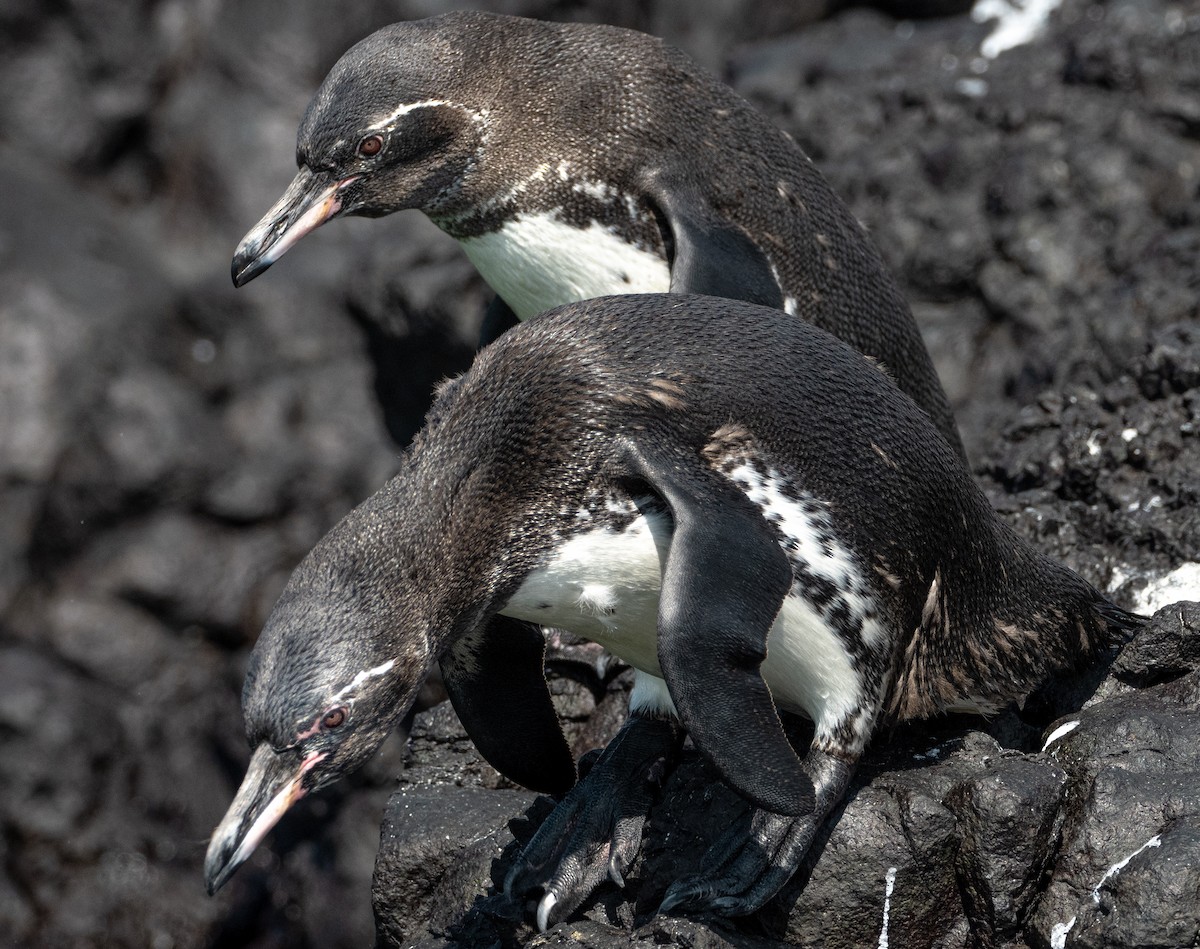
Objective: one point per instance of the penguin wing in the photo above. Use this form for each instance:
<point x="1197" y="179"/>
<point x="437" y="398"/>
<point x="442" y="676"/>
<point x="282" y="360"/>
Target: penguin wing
<point x="497" y="684"/>
<point x="723" y="584"/>
<point x="711" y="254"/>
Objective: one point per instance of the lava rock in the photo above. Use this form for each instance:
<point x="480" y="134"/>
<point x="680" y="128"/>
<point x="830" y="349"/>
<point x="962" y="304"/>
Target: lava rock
<point x="171" y="448"/>
<point x="949" y="838"/>
<point x="437" y="850"/>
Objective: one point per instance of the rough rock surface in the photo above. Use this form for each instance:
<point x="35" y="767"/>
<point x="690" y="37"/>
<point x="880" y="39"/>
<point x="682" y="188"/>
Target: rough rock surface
<point x="170" y="448"/>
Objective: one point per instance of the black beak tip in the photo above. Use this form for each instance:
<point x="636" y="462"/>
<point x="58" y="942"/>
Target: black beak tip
<point x="245" y="268"/>
<point x="218" y="868"/>
<point x="216" y="876"/>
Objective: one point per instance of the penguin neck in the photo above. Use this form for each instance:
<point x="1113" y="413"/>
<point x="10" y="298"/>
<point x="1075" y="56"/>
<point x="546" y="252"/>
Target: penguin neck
<point x="456" y="537"/>
<point x="443" y="561"/>
<point x="483" y="493"/>
<point x="560" y="231"/>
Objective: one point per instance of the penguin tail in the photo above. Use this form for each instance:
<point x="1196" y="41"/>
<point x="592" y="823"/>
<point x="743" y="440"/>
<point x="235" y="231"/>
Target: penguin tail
<point x="1118" y="626"/>
<point x="989" y="637"/>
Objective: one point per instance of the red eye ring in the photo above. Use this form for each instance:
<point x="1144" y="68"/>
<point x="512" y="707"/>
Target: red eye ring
<point x="370" y="146"/>
<point x="334" y="718"/>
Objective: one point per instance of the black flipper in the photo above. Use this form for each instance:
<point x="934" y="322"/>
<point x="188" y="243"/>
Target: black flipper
<point x="498" y="688"/>
<point x="498" y="319"/>
<point x="723" y="584"/>
<point x="711" y="255"/>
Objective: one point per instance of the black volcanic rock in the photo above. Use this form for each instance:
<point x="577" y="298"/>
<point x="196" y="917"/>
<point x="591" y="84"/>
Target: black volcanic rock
<point x="169" y="449"/>
<point x="952" y="836"/>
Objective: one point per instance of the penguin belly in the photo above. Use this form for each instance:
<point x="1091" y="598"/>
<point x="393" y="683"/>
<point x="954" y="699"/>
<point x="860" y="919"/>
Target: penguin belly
<point x="604" y="583"/>
<point x="538" y="261"/>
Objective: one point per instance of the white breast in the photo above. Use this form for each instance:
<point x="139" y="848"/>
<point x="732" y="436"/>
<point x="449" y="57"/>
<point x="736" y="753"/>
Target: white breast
<point x="604" y="585"/>
<point x="538" y="261"/>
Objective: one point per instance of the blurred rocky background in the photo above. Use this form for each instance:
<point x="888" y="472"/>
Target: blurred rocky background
<point x="170" y="448"/>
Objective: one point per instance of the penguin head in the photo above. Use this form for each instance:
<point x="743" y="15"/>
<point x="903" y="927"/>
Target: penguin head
<point x="337" y="666"/>
<point x="393" y="126"/>
<point x="450" y="113"/>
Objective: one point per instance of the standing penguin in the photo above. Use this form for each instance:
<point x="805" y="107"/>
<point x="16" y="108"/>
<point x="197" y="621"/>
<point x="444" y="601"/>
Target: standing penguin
<point x="572" y="161"/>
<point x="748" y="536"/>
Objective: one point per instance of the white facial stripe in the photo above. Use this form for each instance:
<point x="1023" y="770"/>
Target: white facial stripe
<point x="404" y="110"/>
<point x="363" y="677"/>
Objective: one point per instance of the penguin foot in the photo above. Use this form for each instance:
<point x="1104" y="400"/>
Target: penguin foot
<point x="596" y="830"/>
<point x="746" y="867"/>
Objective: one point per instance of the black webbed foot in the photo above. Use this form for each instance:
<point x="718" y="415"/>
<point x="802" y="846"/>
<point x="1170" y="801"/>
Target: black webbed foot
<point x="747" y="866"/>
<point x="596" y="830"/>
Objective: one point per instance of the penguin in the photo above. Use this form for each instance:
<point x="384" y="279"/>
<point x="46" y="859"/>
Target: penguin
<point x="750" y="536"/>
<point x="574" y="160"/>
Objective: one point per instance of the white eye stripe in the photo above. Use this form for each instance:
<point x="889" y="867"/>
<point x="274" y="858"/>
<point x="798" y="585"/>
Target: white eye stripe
<point x="404" y="110"/>
<point x="363" y="677"/>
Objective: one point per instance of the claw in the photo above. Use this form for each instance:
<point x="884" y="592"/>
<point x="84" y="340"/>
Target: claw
<point x="678" y="894"/>
<point x="543" y="911"/>
<point x="692" y="894"/>
<point x="729" y="906"/>
<point x="750" y="863"/>
<point x="595" y="832"/>
<point x="614" y="872"/>
<point x="665" y="907"/>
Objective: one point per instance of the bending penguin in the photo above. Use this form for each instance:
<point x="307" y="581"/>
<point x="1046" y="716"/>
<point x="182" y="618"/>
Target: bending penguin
<point x="572" y="161"/>
<point x="748" y="536"/>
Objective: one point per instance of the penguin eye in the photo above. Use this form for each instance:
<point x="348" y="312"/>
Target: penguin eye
<point x="371" y="145"/>
<point x="333" y="718"/>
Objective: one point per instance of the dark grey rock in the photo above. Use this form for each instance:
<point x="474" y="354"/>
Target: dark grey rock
<point x="1010" y="821"/>
<point x="1134" y="771"/>
<point x="982" y="844"/>
<point x="436" y="856"/>
<point x="1166" y="649"/>
<point x="169" y="449"/>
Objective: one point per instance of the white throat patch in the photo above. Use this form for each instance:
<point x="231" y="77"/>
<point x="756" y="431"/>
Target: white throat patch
<point x="538" y="261"/>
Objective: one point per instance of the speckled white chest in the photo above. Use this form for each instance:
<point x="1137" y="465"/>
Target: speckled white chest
<point x="538" y="261"/>
<point x="604" y="585"/>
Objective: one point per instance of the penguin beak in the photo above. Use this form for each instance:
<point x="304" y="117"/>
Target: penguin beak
<point x="273" y="783"/>
<point x="309" y="202"/>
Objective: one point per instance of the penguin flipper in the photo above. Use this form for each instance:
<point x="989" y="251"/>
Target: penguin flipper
<point x="712" y="255"/>
<point x="496" y="683"/>
<point x="724" y="581"/>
